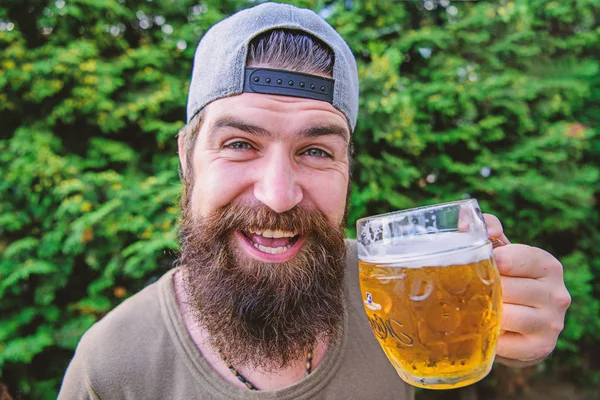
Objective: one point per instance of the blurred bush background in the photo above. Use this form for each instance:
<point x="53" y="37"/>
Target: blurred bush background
<point x="497" y="100"/>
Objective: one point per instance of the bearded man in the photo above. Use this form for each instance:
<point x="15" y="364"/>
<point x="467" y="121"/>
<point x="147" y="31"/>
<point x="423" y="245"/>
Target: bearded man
<point x="265" y="301"/>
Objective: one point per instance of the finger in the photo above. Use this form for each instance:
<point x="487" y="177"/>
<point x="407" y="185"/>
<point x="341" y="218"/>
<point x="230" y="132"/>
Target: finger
<point x="524" y="291"/>
<point x="525" y="261"/>
<point x="465" y="217"/>
<point x="524" y="347"/>
<point x="521" y="319"/>
<point x="494" y="227"/>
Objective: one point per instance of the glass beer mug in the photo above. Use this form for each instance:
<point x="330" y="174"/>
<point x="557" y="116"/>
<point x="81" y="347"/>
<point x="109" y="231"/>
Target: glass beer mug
<point x="432" y="292"/>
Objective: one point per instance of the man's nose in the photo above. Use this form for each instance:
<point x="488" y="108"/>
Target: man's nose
<point x="276" y="185"/>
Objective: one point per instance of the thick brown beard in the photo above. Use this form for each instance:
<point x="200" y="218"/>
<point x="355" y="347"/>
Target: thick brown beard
<point x="263" y="314"/>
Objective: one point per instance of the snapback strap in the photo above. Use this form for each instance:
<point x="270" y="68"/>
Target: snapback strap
<point x="287" y="83"/>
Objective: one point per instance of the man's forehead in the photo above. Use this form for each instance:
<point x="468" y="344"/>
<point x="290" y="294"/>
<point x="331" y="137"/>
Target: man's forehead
<point x="310" y="117"/>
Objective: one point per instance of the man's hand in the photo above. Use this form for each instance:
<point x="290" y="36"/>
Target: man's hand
<point x="535" y="300"/>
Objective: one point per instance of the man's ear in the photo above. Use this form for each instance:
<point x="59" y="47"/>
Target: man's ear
<point x="181" y="152"/>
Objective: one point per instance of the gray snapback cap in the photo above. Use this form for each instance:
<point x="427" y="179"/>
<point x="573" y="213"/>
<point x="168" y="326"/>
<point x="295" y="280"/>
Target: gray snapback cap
<point x="220" y="60"/>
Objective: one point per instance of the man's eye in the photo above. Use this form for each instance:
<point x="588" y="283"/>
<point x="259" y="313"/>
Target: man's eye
<point x="238" y="145"/>
<point x="314" y="152"/>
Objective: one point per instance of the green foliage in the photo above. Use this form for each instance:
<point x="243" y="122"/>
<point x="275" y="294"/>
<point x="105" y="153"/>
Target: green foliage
<point x="494" y="100"/>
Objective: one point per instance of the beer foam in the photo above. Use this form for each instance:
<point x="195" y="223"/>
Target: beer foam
<point x="439" y="249"/>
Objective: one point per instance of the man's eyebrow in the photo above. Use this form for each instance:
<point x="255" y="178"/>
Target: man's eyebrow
<point x="325" y="130"/>
<point x="232" y="122"/>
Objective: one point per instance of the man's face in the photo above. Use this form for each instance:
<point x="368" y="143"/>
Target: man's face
<point x="262" y="236"/>
<point x="277" y="151"/>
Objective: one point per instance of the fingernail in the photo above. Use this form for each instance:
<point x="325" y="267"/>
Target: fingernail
<point x="497" y="243"/>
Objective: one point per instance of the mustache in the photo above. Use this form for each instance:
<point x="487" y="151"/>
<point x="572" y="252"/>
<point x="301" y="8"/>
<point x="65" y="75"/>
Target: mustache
<point x="259" y="217"/>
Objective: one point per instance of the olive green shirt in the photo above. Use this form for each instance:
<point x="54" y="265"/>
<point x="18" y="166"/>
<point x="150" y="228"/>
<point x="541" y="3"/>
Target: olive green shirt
<point x="142" y="350"/>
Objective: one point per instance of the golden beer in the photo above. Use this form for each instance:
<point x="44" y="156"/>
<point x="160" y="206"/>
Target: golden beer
<point x="436" y="317"/>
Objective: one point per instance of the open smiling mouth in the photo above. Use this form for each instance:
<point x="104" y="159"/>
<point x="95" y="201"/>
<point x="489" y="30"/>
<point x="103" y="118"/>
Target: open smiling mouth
<point x="271" y="241"/>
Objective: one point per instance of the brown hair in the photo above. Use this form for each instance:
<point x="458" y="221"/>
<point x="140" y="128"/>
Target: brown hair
<point x="291" y="51"/>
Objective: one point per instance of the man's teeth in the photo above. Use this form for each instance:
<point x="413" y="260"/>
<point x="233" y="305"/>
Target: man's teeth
<point x="274" y="234"/>
<point x="271" y="250"/>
